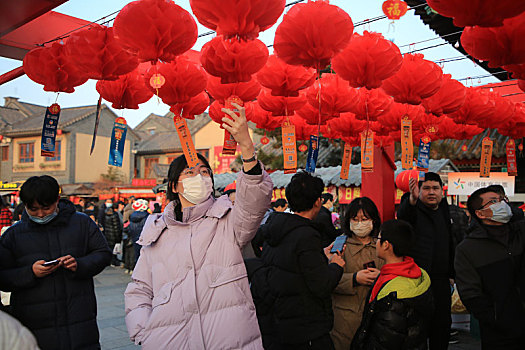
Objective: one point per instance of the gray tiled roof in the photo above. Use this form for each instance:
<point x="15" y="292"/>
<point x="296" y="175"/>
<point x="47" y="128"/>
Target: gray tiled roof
<point x="10" y="116"/>
<point x="160" y="142"/>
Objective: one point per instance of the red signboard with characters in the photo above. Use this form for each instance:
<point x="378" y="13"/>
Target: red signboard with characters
<point x="144" y="182"/>
<point x="221" y="163"/>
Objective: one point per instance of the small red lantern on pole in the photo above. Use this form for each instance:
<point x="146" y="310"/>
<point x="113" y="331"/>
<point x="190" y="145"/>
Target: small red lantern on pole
<point x="395" y="9"/>
<point x="303" y="148"/>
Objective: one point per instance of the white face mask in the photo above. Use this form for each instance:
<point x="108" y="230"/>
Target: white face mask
<point x="361" y="229"/>
<point x="197" y="188"/>
<point x="501" y="212"/>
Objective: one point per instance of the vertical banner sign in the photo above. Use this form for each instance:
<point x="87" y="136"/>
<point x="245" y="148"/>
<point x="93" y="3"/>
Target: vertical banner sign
<point x="407" y="145"/>
<point x="423" y="156"/>
<point x="313" y="153"/>
<point x="367" y="151"/>
<point x="289" y="149"/>
<point x="347" y="160"/>
<point x="486" y="157"/>
<point x="49" y="131"/>
<point x="95" y="129"/>
<point x="512" y="167"/>
<point x="186" y="142"/>
<point x="230" y="145"/>
<point x="118" y="140"/>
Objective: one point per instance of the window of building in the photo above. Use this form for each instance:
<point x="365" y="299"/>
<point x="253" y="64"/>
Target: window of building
<point x="27" y="152"/>
<point x="58" y="149"/>
<point x="151" y="130"/>
<point x="173" y="157"/>
<point x="148" y="165"/>
<point x="5" y="153"/>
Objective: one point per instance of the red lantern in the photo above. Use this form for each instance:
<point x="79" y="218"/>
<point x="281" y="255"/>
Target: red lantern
<point x="521" y="85"/>
<point x="59" y="132"/>
<point x="233" y="60"/>
<point x="503" y="110"/>
<point x="302" y="148"/>
<point x="520" y="147"/>
<point x="403" y="179"/>
<point x="311" y="115"/>
<point x="246" y="91"/>
<point x="312" y="33"/>
<point x="518" y="70"/>
<point x="195" y="106"/>
<point x="95" y="52"/>
<point x="395" y="9"/>
<point x="448" y="99"/>
<point x="450" y="130"/>
<point x="155" y="29"/>
<point x="345" y="126"/>
<point x="262" y="119"/>
<point x="427" y="125"/>
<point x="284" y="79"/>
<point x="417" y="79"/>
<point x="184" y="80"/>
<point x="334" y="96"/>
<point x="500" y="45"/>
<point x="279" y="105"/>
<point x="371" y="104"/>
<point x="464" y="147"/>
<point x="128" y="91"/>
<point x="51" y="67"/>
<point x="238" y="18"/>
<point x="265" y="140"/>
<point x="368" y="60"/>
<point x="478" y="106"/>
<point x="302" y="129"/>
<point x="486" y="13"/>
<point x="514" y="127"/>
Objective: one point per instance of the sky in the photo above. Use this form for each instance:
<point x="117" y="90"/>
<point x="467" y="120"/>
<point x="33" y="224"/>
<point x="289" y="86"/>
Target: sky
<point x="409" y="29"/>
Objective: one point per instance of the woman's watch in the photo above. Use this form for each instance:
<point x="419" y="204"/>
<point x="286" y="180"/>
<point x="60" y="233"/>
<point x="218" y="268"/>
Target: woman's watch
<point x="252" y="159"/>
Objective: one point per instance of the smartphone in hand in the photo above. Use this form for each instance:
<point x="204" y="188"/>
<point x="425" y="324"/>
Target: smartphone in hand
<point x="369" y="264"/>
<point x="339" y="244"/>
<point x="51" y="263"/>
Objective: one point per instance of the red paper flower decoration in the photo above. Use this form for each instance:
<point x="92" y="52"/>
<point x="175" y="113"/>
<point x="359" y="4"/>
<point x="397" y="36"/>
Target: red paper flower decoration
<point x="96" y="52"/>
<point x="345" y="126"/>
<point x="195" y="106"/>
<point x="521" y="85"/>
<point x="335" y="95"/>
<point x="312" y="33"/>
<point x="371" y="104"/>
<point x="514" y="127"/>
<point x="311" y="115"/>
<point x="238" y="18"/>
<point x="303" y="130"/>
<point x="448" y="99"/>
<point x="51" y="67"/>
<point x="262" y="119"/>
<point x="518" y="70"/>
<point x="280" y="105"/>
<point x="128" y="91"/>
<point x="395" y="9"/>
<point x="500" y="45"/>
<point x="184" y="80"/>
<point x="368" y="60"/>
<point x="155" y="29"/>
<point x="232" y="60"/>
<point x="284" y="79"/>
<point x="417" y="79"/>
<point x="450" y="130"/>
<point x="486" y="13"/>
<point x="478" y="106"/>
<point x="247" y="91"/>
<point x="503" y="110"/>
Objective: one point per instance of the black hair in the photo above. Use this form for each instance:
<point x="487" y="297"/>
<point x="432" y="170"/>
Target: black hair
<point x="498" y="189"/>
<point x="431" y="177"/>
<point x="303" y="191"/>
<point x="327" y="197"/>
<point x="120" y="202"/>
<point x="177" y="166"/>
<point x="3" y="202"/>
<point x="43" y="190"/>
<point x="369" y="210"/>
<point x="279" y="203"/>
<point x="229" y="192"/>
<point x="475" y="201"/>
<point x="400" y="234"/>
<point x="157" y="208"/>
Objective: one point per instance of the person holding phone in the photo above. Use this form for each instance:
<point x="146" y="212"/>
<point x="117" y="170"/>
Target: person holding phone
<point x="361" y="224"/>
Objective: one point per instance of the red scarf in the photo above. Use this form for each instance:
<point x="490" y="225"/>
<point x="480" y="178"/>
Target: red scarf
<point x="406" y="268"/>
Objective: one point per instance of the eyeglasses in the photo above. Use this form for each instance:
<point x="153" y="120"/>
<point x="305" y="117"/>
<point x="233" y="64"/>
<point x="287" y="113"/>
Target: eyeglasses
<point x="360" y="220"/>
<point x="489" y="203"/>
<point x="189" y="172"/>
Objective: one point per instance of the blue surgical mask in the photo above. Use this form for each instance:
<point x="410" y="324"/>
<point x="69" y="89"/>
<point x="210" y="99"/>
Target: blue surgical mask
<point x="109" y="205"/>
<point x="501" y="212"/>
<point x="44" y="220"/>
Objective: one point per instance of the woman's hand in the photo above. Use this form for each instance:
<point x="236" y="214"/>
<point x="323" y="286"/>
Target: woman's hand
<point x="237" y="126"/>
<point x="367" y="277"/>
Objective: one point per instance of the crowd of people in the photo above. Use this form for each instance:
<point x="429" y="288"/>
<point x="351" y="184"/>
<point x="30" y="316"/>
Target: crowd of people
<point x="240" y="272"/>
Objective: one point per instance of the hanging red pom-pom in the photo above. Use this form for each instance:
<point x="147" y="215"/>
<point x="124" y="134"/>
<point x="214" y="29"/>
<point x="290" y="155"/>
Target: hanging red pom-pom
<point x="238" y="18"/>
<point x="394" y="9"/>
<point x="500" y="45"/>
<point x="368" y="60"/>
<point x="312" y="33"/>
<point x="448" y="99"/>
<point x="51" y="67"/>
<point x="195" y="106"/>
<point x="335" y="95"/>
<point x="233" y="60"/>
<point x="155" y="29"/>
<point x="184" y="80"/>
<point x="280" y="105"/>
<point x="284" y="79"/>
<point x="95" y="52"/>
<point x="371" y="104"/>
<point x="485" y="13"/>
<point x="128" y="91"/>
<point x="246" y="91"/>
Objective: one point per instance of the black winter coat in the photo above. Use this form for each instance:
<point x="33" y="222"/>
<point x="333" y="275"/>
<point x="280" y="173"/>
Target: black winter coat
<point x="112" y="228"/>
<point x="323" y="223"/>
<point x="60" y="309"/>
<point x="292" y="291"/>
<point x="136" y="223"/>
<point x="490" y="277"/>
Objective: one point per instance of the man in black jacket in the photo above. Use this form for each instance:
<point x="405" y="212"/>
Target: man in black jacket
<point x="426" y="209"/>
<point x="490" y="271"/>
<point x="292" y="290"/>
<point x="48" y="260"/>
<point x="324" y="221"/>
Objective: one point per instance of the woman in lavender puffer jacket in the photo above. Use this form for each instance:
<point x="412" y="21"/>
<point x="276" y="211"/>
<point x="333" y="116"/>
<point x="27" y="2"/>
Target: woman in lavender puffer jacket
<point x="189" y="289"/>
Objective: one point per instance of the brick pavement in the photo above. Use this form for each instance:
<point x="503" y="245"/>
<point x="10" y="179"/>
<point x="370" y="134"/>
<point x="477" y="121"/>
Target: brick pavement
<point x="110" y="286"/>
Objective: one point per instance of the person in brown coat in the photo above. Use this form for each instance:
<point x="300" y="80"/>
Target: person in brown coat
<point x="361" y="225"/>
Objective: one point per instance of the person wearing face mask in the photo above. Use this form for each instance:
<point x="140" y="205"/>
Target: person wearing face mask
<point x="490" y="271"/>
<point x="189" y="289"/>
<point x="55" y="300"/>
<point x="361" y="223"/>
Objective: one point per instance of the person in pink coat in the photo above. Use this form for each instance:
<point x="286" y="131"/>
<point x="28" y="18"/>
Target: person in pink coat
<point x="189" y="289"/>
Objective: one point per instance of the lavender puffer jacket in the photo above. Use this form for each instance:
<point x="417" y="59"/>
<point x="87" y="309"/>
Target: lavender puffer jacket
<point x="189" y="289"/>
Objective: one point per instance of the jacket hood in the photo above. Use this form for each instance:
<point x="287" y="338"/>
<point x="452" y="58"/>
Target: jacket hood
<point x="279" y="225"/>
<point x="138" y="216"/>
<point x="406" y="287"/>
<point x="65" y="210"/>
